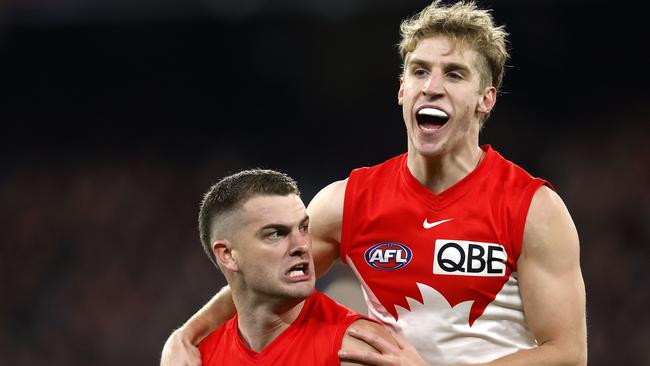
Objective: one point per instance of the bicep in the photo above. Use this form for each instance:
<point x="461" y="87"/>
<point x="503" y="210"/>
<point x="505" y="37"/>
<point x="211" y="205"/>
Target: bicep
<point x="211" y="316"/>
<point x="550" y="278"/>
<point x="325" y="220"/>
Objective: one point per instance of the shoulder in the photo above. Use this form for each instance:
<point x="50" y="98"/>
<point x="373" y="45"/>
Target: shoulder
<point x="371" y="329"/>
<point x="547" y="212"/>
<point x="549" y="230"/>
<point x="381" y="170"/>
<point x="327" y="206"/>
<point x="216" y="339"/>
<point x="331" y="191"/>
<point x="510" y="174"/>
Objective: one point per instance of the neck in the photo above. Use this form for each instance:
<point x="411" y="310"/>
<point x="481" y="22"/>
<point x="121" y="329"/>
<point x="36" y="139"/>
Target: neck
<point x="439" y="172"/>
<point x="259" y="323"/>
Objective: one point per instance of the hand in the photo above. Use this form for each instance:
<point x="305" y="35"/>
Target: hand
<point x="179" y="351"/>
<point x="389" y="355"/>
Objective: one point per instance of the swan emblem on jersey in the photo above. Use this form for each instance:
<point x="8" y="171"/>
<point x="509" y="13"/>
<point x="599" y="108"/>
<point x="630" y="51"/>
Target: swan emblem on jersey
<point x="388" y="256"/>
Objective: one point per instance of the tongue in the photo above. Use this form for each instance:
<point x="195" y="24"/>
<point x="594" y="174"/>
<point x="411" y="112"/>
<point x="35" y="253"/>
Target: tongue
<point x="429" y="123"/>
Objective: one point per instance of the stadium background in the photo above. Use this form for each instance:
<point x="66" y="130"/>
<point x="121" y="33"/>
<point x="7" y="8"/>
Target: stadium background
<point x="117" y="115"/>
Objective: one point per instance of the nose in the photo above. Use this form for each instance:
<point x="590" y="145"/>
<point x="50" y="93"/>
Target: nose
<point x="300" y="244"/>
<point x="433" y="86"/>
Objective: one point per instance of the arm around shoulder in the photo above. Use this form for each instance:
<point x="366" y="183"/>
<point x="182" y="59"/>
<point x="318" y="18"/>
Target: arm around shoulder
<point x="325" y="222"/>
<point x="181" y="347"/>
<point x="363" y="350"/>
<point x="368" y="343"/>
<point x="178" y="351"/>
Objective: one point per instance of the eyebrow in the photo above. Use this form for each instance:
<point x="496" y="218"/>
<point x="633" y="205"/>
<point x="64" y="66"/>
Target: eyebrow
<point x="282" y="227"/>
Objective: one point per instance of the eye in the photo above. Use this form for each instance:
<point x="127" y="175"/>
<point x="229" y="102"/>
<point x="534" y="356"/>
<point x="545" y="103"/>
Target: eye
<point x="277" y="234"/>
<point x="455" y="75"/>
<point x="304" y="227"/>
<point x="420" y="72"/>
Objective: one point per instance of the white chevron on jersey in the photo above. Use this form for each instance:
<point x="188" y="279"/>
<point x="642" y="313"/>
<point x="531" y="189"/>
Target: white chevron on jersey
<point x="441" y="333"/>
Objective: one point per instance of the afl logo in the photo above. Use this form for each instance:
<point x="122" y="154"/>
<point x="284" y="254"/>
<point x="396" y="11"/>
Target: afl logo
<point x="388" y="256"/>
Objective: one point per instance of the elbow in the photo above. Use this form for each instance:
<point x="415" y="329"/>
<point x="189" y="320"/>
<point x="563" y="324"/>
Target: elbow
<point x="582" y="357"/>
<point x="577" y="356"/>
<point x="565" y="354"/>
<point x="581" y="353"/>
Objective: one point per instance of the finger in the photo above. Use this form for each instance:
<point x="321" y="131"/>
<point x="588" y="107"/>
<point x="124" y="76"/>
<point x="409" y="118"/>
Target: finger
<point x="401" y="342"/>
<point x="365" y="357"/>
<point x="372" y="339"/>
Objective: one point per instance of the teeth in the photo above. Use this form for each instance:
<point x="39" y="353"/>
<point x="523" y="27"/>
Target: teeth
<point x="296" y="273"/>
<point x="433" y="112"/>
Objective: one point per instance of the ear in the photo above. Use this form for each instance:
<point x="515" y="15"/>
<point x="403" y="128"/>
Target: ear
<point x="400" y="92"/>
<point x="223" y="252"/>
<point x="488" y="100"/>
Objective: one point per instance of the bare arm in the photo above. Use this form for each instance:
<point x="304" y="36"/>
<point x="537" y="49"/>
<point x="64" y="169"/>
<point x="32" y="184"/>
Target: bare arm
<point x="325" y="220"/>
<point x="180" y="348"/>
<point x="551" y="286"/>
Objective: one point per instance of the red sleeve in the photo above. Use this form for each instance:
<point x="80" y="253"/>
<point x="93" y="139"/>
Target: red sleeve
<point x="350" y="318"/>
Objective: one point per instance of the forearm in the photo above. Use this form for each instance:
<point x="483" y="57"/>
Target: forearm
<point x="179" y="352"/>
<point x="548" y="354"/>
<point x="212" y="315"/>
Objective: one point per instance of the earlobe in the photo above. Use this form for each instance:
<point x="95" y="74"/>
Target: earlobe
<point x="400" y="92"/>
<point x="223" y="252"/>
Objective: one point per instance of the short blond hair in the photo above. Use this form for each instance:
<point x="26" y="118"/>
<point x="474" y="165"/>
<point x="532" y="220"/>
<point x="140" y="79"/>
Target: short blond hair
<point x="465" y="23"/>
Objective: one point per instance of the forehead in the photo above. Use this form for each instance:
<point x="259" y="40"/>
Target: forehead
<point x="264" y="210"/>
<point x="441" y="48"/>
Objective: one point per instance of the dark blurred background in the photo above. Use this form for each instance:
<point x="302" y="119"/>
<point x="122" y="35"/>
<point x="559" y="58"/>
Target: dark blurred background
<point x="117" y="115"/>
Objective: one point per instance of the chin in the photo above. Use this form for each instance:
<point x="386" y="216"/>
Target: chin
<point x="302" y="289"/>
<point x="300" y="293"/>
<point x="429" y="149"/>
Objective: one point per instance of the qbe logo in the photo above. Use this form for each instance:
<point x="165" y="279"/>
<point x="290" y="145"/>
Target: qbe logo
<point x="468" y="258"/>
<point x="388" y="256"/>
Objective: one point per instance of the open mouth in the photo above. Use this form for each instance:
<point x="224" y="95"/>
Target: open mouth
<point x="298" y="270"/>
<point x="431" y="118"/>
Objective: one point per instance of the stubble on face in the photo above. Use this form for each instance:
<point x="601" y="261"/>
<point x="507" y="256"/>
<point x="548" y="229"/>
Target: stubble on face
<point x="265" y="259"/>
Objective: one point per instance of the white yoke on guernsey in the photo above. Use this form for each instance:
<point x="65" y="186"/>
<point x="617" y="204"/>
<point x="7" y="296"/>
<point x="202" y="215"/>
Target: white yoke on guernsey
<point x="441" y="269"/>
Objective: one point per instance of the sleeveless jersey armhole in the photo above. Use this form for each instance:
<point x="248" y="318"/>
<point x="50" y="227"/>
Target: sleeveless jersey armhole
<point x="347" y="220"/>
<point x="522" y="212"/>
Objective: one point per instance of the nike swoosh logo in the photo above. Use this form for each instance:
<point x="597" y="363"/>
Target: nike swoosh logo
<point x="429" y="225"/>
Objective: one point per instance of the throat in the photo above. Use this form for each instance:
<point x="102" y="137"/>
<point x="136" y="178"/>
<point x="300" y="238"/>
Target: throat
<point x="259" y="326"/>
<point x="439" y="173"/>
